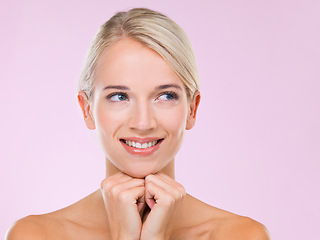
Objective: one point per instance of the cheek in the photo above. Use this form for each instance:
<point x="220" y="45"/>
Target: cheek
<point x="174" y="121"/>
<point x="106" y="120"/>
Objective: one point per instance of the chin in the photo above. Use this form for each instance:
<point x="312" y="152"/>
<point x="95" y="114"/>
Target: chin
<point x="140" y="172"/>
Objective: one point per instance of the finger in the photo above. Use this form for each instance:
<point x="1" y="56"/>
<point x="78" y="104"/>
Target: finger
<point x="171" y="181"/>
<point x="118" y="174"/>
<point x="132" y="199"/>
<point x="156" y="195"/>
<point x="117" y="189"/>
<point x="165" y="177"/>
<point x="162" y="191"/>
<point x="141" y="202"/>
<point x="167" y="183"/>
<point x="149" y="196"/>
<point x="132" y="195"/>
<point x="113" y="180"/>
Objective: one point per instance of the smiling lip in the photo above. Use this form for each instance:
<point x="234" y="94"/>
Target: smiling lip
<point x="141" y="151"/>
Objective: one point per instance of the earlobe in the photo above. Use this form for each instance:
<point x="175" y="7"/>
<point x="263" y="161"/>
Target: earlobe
<point x="193" y="110"/>
<point x="86" y="110"/>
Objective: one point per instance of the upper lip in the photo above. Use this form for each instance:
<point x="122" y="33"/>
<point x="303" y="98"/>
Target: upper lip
<point x="141" y="140"/>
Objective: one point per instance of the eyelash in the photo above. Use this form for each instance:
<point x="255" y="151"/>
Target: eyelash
<point x="115" y="94"/>
<point x="174" y="95"/>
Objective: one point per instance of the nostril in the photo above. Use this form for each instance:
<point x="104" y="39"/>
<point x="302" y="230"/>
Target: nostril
<point x="142" y="119"/>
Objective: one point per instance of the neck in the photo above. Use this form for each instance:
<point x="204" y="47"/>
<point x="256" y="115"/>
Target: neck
<point x="168" y="170"/>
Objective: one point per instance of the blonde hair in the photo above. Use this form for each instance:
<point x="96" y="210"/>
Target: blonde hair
<point x="153" y="29"/>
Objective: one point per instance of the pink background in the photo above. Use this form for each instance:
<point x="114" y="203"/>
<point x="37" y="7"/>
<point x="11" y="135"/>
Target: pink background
<point x="256" y="145"/>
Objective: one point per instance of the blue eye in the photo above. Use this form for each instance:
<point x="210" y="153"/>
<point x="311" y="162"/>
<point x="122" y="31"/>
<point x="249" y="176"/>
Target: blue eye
<point x="117" y="97"/>
<point x="167" y="96"/>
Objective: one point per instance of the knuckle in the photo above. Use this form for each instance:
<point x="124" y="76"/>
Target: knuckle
<point x="139" y="181"/>
<point x="182" y="190"/>
<point x="115" y="190"/>
<point x="177" y="196"/>
<point x="169" y="200"/>
<point x="148" y="178"/>
<point x="123" y="196"/>
<point x="109" y="185"/>
<point x="104" y="184"/>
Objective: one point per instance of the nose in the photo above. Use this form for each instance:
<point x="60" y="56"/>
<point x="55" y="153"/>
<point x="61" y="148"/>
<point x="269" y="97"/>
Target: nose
<point x="142" y="117"/>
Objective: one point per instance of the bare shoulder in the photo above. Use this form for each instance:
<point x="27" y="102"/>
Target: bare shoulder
<point x="81" y="220"/>
<point x="242" y="228"/>
<point x="31" y="227"/>
<point x="54" y="225"/>
<point x="208" y="222"/>
<point x="225" y="225"/>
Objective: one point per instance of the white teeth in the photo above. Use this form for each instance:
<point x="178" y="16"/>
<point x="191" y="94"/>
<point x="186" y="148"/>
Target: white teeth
<point x="139" y="145"/>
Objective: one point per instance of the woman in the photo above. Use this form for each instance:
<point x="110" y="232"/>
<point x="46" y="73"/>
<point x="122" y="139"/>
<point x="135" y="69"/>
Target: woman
<point x="139" y="91"/>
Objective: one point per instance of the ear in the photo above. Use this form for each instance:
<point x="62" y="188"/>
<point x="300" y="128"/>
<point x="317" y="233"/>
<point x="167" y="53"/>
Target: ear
<point x="86" y="110"/>
<point x="193" y="107"/>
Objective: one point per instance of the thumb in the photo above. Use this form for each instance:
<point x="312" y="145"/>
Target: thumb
<point x="149" y="198"/>
<point x="140" y="203"/>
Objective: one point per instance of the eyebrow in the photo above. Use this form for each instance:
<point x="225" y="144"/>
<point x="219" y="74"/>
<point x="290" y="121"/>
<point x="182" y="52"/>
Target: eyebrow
<point x="119" y="87"/>
<point x="161" y="87"/>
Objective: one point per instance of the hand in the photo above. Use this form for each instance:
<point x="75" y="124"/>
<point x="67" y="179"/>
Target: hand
<point x="123" y="199"/>
<point x="164" y="196"/>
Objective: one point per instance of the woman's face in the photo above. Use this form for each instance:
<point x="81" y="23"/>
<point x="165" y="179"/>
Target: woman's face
<point x="140" y="109"/>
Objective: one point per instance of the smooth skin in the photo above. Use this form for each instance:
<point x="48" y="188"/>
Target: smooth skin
<point x="137" y="95"/>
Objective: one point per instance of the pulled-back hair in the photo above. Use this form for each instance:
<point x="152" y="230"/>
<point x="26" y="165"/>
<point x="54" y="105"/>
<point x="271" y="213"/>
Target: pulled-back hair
<point x="154" y="30"/>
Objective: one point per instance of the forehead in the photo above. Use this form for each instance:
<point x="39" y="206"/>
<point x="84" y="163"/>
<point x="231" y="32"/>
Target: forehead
<point x="130" y="62"/>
